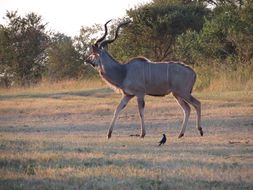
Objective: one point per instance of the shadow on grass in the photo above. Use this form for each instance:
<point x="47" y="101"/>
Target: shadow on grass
<point x="26" y="166"/>
<point x="100" y="92"/>
<point x="64" y="128"/>
<point x="115" y="183"/>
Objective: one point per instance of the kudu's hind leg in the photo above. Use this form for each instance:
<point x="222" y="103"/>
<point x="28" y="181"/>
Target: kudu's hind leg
<point x="120" y="107"/>
<point x="197" y="105"/>
<point x="141" y="105"/>
<point x="186" y="109"/>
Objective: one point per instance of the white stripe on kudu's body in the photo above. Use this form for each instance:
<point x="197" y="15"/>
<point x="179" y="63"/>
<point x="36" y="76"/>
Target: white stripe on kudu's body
<point x="140" y="77"/>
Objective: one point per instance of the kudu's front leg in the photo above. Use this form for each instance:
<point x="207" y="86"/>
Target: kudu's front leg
<point x="141" y="105"/>
<point x="125" y="99"/>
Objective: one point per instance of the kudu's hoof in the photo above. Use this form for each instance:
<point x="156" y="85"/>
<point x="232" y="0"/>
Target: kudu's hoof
<point x="109" y="135"/>
<point x="181" y="135"/>
<point x="201" y="131"/>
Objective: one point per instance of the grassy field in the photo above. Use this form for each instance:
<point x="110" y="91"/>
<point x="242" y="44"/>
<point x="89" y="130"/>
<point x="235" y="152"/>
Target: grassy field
<point x="56" y="139"/>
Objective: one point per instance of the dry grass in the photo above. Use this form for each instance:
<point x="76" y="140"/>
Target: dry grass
<point x="57" y="140"/>
<point x="48" y="87"/>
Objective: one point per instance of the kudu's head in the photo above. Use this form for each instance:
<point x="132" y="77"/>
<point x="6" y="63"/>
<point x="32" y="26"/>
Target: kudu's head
<point x="100" y="46"/>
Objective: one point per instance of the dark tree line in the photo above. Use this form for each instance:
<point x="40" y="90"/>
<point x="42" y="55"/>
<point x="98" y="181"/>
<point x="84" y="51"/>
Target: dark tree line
<point x="28" y="52"/>
<point x="189" y="31"/>
<point x="203" y="33"/>
<point x="22" y="46"/>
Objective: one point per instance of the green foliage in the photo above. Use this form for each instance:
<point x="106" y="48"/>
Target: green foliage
<point x="82" y="44"/>
<point x="156" y="26"/>
<point x="7" y="54"/>
<point x="223" y="49"/>
<point x="86" y="37"/>
<point x="228" y="34"/>
<point x="63" y="59"/>
<point x="23" y="42"/>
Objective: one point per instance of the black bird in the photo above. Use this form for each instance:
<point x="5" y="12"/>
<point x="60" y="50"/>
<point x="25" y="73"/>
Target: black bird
<point x="163" y="140"/>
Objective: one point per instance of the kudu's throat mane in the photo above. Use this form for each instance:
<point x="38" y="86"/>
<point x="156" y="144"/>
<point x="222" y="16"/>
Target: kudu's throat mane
<point x="111" y="71"/>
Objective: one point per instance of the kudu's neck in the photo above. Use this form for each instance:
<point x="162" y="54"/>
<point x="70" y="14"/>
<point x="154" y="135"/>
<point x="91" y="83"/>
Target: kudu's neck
<point x="111" y="70"/>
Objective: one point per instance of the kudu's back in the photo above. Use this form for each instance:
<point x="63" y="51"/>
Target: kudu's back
<point x="158" y="79"/>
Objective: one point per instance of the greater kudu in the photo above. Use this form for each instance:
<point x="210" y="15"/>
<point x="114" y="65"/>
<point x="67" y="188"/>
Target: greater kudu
<point x="140" y="77"/>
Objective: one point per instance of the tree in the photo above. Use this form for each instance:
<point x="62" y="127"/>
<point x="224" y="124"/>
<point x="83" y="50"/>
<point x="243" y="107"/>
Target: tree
<point x="157" y="25"/>
<point x="82" y="44"/>
<point x="63" y="60"/>
<point x="23" y="42"/>
<point x="224" y="2"/>
<point x="228" y="34"/>
<point x="6" y="58"/>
